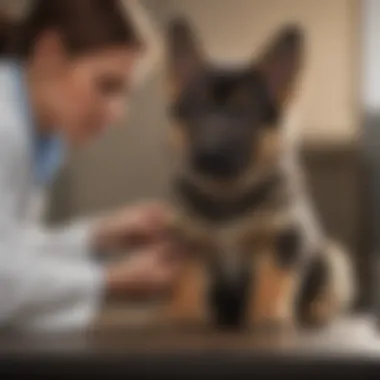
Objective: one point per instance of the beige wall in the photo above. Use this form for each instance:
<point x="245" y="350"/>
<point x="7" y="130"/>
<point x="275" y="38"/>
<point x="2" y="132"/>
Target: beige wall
<point x="130" y="162"/>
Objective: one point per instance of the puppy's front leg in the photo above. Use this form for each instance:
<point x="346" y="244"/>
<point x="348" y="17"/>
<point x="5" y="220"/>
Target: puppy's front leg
<point x="273" y="288"/>
<point x="188" y="301"/>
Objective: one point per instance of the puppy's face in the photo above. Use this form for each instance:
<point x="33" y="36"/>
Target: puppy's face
<point x="227" y="120"/>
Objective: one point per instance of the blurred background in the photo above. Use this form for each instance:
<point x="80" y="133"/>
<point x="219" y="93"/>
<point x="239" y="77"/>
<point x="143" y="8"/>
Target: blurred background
<point x="130" y="161"/>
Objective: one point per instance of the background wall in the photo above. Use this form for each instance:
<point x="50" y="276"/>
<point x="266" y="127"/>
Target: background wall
<point x="130" y="161"/>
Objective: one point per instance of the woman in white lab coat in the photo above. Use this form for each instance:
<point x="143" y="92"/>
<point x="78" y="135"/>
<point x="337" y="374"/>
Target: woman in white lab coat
<point x="64" y="71"/>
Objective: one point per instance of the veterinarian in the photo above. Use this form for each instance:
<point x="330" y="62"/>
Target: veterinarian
<point x="64" y="73"/>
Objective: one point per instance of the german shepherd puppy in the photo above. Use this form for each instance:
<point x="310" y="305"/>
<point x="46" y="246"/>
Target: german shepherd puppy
<point x="260" y="257"/>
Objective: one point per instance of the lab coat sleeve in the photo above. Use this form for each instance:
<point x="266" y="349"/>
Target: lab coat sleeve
<point x="39" y="290"/>
<point x="73" y="239"/>
<point x="39" y="293"/>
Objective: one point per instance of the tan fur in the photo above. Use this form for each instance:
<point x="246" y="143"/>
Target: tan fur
<point x="273" y="292"/>
<point x="188" y="303"/>
<point x="269" y="148"/>
<point x="244" y="233"/>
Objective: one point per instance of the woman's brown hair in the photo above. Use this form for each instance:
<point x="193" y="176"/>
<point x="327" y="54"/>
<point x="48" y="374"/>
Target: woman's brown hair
<point x="84" y="26"/>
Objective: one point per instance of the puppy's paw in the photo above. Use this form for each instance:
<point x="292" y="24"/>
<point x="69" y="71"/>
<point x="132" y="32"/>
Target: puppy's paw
<point x="277" y="320"/>
<point x="187" y="303"/>
<point x="272" y="325"/>
<point x="184" y="316"/>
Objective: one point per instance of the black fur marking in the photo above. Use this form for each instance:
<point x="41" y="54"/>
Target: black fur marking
<point x="220" y="85"/>
<point x="219" y="210"/>
<point x="228" y="298"/>
<point x="288" y="247"/>
<point x="311" y="287"/>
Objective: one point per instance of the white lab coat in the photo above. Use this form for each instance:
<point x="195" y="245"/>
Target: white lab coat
<point x="48" y="280"/>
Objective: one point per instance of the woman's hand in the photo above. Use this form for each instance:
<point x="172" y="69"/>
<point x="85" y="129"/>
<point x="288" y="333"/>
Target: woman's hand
<point x="136" y="225"/>
<point x="156" y="260"/>
<point x="151" y="271"/>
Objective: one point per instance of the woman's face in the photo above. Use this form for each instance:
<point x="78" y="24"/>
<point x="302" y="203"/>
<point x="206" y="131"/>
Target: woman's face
<point x="90" y="93"/>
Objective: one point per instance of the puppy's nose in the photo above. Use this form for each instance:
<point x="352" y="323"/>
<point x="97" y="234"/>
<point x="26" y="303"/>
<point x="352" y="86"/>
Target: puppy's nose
<point x="216" y="163"/>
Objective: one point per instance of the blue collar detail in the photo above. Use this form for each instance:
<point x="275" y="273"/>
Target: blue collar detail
<point x="48" y="150"/>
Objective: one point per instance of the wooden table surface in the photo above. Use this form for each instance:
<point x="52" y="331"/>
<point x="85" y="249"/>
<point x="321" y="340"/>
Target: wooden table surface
<point x="117" y="351"/>
<point x="353" y="335"/>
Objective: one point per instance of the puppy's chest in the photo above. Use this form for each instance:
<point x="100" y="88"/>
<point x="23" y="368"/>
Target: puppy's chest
<point x="233" y="238"/>
<point x="227" y="246"/>
<point x="230" y="248"/>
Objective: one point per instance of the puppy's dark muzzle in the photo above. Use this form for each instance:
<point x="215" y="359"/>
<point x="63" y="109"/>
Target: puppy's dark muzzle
<point x="219" y="165"/>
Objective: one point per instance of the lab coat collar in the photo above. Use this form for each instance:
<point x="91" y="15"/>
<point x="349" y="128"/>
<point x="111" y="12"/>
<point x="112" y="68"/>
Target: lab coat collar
<point x="48" y="151"/>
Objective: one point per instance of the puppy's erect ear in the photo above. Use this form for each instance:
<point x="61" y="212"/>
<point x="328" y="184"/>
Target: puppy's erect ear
<point x="184" y="54"/>
<point x="281" y="62"/>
